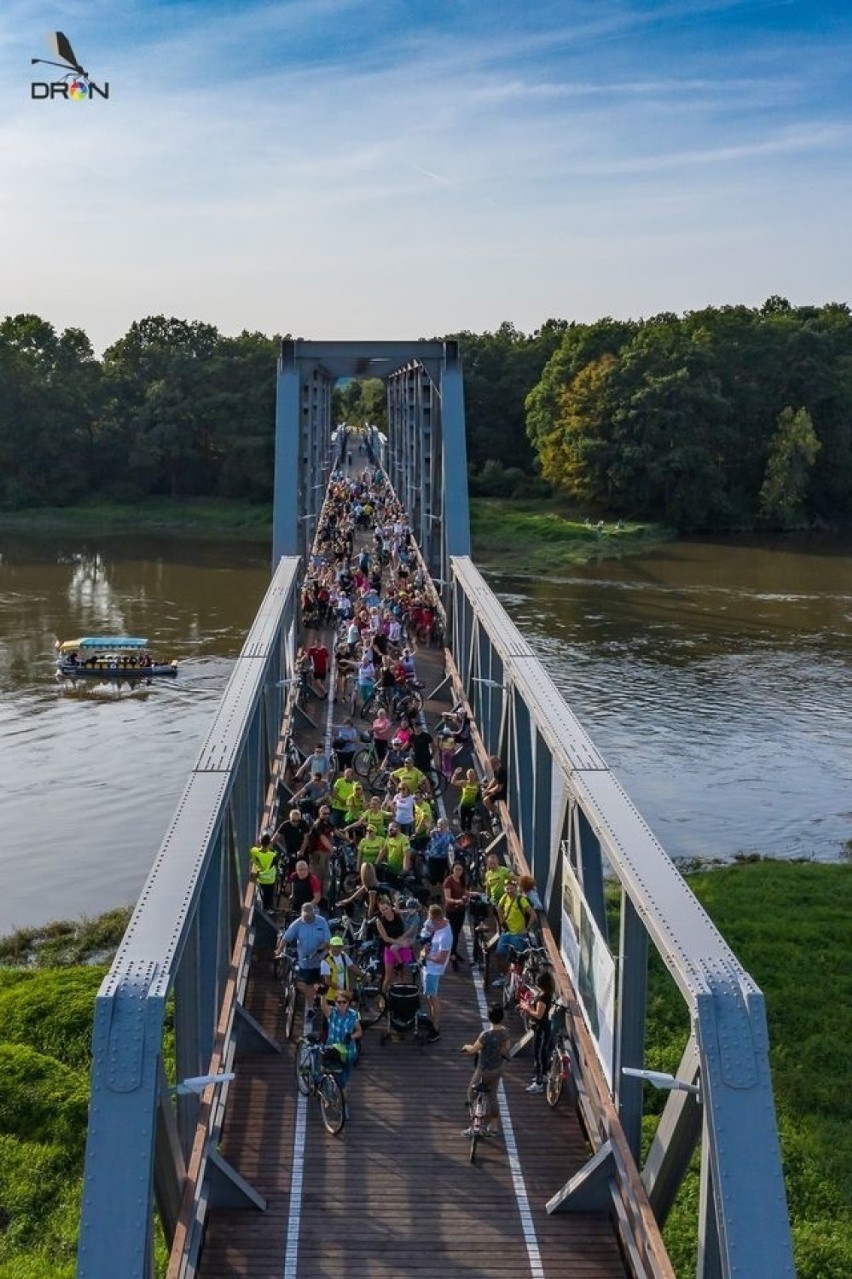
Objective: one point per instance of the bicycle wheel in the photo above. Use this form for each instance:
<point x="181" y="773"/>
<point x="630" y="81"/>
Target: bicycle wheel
<point x="553" y="1087"/>
<point x="474" y="1142"/>
<point x="363" y="760"/>
<point x="332" y="1104"/>
<point x="437" y="781"/>
<point x="371" y="1005"/>
<point x="510" y="989"/>
<point x="304" y="1068"/>
<point x="289" y="1009"/>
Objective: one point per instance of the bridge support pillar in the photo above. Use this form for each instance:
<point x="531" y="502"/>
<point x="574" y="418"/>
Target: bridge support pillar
<point x="630" y="1030"/>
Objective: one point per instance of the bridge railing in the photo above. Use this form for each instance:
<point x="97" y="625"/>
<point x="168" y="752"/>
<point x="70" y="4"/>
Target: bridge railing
<point x="170" y="1008"/>
<point x="576" y="824"/>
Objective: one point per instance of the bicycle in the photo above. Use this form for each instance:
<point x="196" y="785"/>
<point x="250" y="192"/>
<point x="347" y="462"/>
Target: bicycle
<point x="480" y="1111"/>
<point x="315" y="1078"/>
<point x="560" y="1075"/>
<point x="524" y="967"/>
<point x="286" y="971"/>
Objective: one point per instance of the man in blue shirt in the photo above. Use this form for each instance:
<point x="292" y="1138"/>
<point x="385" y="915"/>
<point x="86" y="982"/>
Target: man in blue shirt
<point x="311" y="934"/>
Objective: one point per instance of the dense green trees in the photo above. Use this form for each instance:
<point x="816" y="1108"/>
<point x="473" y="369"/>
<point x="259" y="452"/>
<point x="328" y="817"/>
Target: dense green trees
<point x="717" y="419"/>
<point x="173" y="408"/>
<point x="723" y="418"/>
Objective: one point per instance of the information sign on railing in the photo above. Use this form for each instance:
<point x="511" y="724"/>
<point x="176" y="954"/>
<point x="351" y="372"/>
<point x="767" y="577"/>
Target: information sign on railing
<point x="587" y="958"/>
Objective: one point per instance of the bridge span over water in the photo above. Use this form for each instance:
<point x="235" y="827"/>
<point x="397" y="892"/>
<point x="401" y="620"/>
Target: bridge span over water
<point x="238" y="1178"/>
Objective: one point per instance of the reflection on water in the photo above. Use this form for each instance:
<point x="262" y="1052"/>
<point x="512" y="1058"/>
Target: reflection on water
<point x="92" y="773"/>
<point x="716" y="681"/>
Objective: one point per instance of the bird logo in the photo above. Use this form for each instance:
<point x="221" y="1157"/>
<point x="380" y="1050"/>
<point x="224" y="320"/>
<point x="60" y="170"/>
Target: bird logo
<point x="81" y="83"/>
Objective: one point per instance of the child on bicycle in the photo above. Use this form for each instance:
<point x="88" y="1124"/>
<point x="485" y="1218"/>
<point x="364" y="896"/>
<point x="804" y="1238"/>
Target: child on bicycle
<point x="492" y="1048"/>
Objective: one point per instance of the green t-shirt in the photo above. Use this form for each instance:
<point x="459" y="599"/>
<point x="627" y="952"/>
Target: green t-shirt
<point x="370" y="847"/>
<point x="495" y="882"/>
<point x="340" y="793"/>
<point x="397" y="846"/>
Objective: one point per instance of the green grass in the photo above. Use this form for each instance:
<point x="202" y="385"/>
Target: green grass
<point x="197" y="516"/>
<point x="788" y="924"/>
<point x="541" y="534"/>
<point x="65" y="941"/>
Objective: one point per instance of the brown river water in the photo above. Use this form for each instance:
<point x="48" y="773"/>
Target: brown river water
<point x="716" y="679"/>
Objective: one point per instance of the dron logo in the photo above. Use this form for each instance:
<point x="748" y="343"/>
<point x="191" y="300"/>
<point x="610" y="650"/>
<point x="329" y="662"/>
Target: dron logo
<point x="76" y="85"/>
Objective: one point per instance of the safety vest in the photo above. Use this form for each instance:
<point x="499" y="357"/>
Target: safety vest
<point x="264" y="860"/>
<point x="338" y="972"/>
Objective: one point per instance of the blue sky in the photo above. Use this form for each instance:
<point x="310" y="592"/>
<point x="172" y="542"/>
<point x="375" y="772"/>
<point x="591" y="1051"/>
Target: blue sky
<point x="333" y="168"/>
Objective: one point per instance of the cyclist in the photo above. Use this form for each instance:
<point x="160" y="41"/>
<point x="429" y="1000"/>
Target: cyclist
<point x="343" y="1032"/>
<point x="537" y="1008"/>
<point x="311" y="934"/>
<point x="470" y="790"/>
<point x="336" y="970"/>
<point x="341" y="792"/>
<point x="410" y="775"/>
<point x="397" y="940"/>
<point x="515" y="916"/>
<point x="304" y="887"/>
<point x="263" y="858"/>
<point x="456" y="897"/>
<point x="396" y="853"/>
<point x="492" y="1048"/>
<point x="441" y="845"/>
<point x="437" y="938"/>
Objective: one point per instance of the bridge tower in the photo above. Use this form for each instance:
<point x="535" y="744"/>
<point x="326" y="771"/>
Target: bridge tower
<point x="424" y="452"/>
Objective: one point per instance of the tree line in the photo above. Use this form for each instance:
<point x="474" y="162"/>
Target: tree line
<point x="723" y="418"/>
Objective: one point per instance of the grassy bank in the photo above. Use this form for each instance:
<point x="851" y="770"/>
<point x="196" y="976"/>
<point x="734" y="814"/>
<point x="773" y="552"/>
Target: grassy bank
<point x="788" y="924"/>
<point x="510" y="533"/>
<point x="196" y="516"/>
<point x="538" y="535"/>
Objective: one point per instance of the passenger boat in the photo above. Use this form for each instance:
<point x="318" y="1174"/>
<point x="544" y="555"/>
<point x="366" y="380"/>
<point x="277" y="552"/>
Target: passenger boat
<point x="109" y="657"/>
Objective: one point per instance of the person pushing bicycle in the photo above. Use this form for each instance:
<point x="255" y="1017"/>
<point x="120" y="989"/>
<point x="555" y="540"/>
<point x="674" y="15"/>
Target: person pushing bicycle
<point x="492" y="1051"/>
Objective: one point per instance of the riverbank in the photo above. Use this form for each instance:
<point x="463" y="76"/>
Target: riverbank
<point x="787" y="923"/>
<point x="534" y="536"/>
<point x="518" y="535"/>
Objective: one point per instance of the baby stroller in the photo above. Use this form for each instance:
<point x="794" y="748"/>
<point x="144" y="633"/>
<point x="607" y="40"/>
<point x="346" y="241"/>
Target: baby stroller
<point x="404" y="1014"/>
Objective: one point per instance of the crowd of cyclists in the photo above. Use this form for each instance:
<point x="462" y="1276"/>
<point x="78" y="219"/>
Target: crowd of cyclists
<point x="365" y="834"/>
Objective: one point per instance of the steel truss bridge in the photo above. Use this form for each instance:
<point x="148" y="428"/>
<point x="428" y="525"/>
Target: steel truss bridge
<point x="172" y="1007"/>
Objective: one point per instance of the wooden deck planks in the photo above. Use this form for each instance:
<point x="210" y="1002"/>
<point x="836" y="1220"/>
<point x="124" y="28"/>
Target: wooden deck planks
<point x="395" y="1191"/>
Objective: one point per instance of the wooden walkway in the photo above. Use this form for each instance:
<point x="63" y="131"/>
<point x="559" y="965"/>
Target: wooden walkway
<point x="395" y="1193"/>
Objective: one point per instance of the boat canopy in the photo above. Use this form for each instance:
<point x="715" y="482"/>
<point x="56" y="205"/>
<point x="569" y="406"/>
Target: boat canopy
<point x="109" y="643"/>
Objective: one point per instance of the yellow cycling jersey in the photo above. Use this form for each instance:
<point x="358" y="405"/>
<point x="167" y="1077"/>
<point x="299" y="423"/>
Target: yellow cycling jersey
<point x="514" y="910"/>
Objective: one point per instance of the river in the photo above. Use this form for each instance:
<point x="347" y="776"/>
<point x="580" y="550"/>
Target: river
<point x="715" y="679"/>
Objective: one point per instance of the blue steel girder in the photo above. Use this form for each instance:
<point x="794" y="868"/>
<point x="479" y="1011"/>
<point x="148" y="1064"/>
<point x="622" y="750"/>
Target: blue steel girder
<point x="744" y="1186"/>
<point x="426" y="456"/>
<point x="178" y="944"/>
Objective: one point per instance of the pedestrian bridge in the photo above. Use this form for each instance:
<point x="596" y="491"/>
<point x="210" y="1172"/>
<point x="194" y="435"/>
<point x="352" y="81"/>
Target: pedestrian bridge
<point x="236" y="1175"/>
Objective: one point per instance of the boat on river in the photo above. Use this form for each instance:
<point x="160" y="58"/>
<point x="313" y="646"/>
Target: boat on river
<point x="109" y="657"/>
